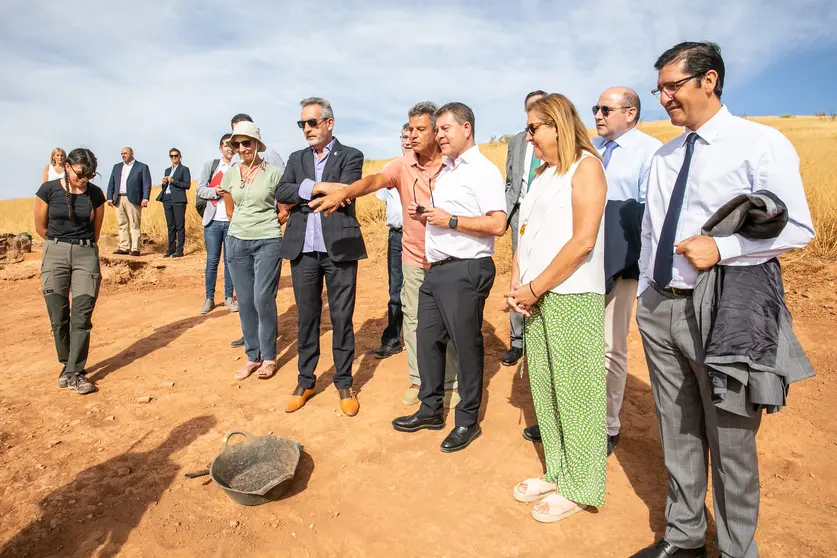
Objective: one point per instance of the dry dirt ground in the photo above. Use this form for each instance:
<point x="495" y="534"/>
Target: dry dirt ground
<point x="103" y="475"/>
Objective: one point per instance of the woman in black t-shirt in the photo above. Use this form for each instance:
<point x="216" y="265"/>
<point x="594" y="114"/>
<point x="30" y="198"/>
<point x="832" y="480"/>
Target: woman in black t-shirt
<point x="68" y="215"/>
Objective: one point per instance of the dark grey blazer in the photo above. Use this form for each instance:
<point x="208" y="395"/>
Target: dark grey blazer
<point x="181" y="181"/>
<point x="341" y="230"/>
<point x="514" y="170"/>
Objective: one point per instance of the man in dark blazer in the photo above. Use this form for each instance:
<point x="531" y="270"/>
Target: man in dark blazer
<point x="177" y="180"/>
<point x="129" y="188"/>
<point x="322" y="247"/>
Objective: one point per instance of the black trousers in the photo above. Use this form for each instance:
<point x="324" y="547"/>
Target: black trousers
<point x="450" y="307"/>
<point x="176" y="223"/>
<point x="307" y="273"/>
<point x="395" y="316"/>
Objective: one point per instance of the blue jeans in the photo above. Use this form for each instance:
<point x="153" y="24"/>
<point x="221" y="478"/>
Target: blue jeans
<point x="255" y="266"/>
<point x="214" y="236"/>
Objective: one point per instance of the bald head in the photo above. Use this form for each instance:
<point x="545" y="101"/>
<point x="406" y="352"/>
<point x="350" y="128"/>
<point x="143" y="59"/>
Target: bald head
<point x="616" y="112"/>
<point x="127" y="155"/>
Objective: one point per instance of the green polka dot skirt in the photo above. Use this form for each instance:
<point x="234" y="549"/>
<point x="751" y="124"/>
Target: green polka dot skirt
<point x="565" y="355"/>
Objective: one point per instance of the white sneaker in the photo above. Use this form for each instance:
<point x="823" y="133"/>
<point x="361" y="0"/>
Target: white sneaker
<point x="231" y="304"/>
<point x="208" y="305"/>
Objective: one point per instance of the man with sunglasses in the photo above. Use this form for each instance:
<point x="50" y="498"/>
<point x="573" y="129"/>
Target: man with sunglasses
<point x="627" y="154"/>
<point x="129" y="188"/>
<point x="413" y="175"/>
<point x="176" y="181"/>
<point x="718" y="157"/>
<point x="322" y="247"/>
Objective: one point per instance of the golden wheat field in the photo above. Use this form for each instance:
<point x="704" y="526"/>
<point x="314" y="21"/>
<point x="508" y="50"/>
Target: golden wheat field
<point x="815" y="140"/>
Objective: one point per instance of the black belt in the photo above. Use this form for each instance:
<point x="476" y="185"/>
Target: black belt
<point x="396" y="229"/>
<point x="672" y="291"/>
<point x="446" y="260"/>
<point x="76" y="241"/>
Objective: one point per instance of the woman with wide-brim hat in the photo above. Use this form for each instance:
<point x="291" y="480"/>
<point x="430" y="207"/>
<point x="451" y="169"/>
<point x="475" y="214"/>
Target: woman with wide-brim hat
<point x="252" y="247"/>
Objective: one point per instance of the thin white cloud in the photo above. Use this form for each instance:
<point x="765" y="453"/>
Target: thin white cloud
<point x="158" y="74"/>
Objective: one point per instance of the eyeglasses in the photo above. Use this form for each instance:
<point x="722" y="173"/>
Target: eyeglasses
<point x="606" y="110"/>
<point x="532" y="128"/>
<point x="174" y="155"/>
<point x="245" y="144"/>
<point x="82" y="176"/>
<point x="312" y="122"/>
<point x="420" y="208"/>
<point x="672" y="87"/>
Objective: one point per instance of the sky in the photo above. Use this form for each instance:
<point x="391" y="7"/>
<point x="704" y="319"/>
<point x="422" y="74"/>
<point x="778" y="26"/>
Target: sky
<point x="170" y="73"/>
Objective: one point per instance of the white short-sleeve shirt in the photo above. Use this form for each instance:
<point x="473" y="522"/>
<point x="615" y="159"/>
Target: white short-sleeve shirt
<point x="470" y="186"/>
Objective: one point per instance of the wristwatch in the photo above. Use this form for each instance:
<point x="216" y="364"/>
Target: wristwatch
<point x="453" y="221"/>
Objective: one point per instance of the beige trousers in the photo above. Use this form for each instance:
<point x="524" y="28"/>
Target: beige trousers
<point x="128" y="220"/>
<point x="618" y="306"/>
<point x="413" y="278"/>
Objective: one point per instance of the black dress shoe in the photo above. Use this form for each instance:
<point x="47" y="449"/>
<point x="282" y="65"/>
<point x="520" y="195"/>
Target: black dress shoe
<point x="532" y="433"/>
<point x="121" y="252"/>
<point x="414" y="423"/>
<point x="460" y="438"/>
<point x="167" y="254"/>
<point x="176" y="255"/>
<point x="135" y="253"/>
<point x="512" y="356"/>
<point x="386" y="351"/>
<point x="663" y="549"/>
<point x="237" y="343"/>
<point x="612" y="442"/>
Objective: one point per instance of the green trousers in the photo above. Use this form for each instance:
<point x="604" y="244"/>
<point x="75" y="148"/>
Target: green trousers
<point x="564" y="340"/>
<point x="70" y="269"/>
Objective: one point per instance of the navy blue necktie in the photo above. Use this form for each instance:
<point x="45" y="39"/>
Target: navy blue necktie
<point x="665" y="247"/>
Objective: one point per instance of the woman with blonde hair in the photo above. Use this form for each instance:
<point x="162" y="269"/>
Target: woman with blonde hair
<point x="55" y="169"/>
<point x="558" y="284"/>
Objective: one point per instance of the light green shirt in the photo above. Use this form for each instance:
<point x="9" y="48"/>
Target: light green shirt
<point x="254" y="216"/>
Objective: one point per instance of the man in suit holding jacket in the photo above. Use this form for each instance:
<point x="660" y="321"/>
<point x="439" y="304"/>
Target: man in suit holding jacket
<point x="129" y="188"/>
<point x="177" y="180"/>
<point x="322" y="247"/>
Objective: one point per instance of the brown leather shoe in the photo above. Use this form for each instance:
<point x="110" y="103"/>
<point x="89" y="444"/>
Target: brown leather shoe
<point x="298" y="399"/>
<point x="348" y="402"/>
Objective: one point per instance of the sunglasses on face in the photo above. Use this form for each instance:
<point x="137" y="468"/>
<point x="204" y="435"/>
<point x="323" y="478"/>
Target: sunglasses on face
<point x="533" y="127"/>
<point x="606" y="110"/>
<point x="312" y="122"/>
<point x="246" y="144"/>
<point x="81" y="176"/>
<point x="174" y="155"/>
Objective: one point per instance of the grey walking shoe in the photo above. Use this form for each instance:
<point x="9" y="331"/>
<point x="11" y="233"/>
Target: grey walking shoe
<point x="208" y="305"/>
<point x="62" y="380"/>
<point x="77" y="382"/>
<point x="231" y="304"/>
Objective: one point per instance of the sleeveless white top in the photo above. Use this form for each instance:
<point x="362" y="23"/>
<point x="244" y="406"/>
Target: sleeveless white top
<point x="52" y="175"/>
<point x="546" y="225"/>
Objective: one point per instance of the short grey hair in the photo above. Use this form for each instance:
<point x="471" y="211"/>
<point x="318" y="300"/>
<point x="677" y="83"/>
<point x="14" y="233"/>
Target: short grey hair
<point x="405" y="127"/>
<point x="425" y="107"/>
<point x="324" y="104"/>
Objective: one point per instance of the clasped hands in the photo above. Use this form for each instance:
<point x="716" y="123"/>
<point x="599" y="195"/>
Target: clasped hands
<point x="333" y="199"/>
<point x="521" y="298"/>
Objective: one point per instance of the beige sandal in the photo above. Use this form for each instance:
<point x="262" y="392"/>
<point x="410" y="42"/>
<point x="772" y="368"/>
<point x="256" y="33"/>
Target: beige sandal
<point x="247" y="370"/>
<point x="267" y="370"/>
<point x="554" y="508"/>
<point x="533" y="489"/>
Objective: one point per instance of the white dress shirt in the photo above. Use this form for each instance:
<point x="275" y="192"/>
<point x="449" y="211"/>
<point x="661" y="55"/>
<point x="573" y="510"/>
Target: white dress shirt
<point x="630" y="163"/>
<point x="395" y="214"/>
<point x="731" y="156"/>
<point x="221" y="206"/>
<point x="470" y="186"/>
<point x="546" y="219"/>
<point x="168" y="190"/>
<point x="123" y="179"/>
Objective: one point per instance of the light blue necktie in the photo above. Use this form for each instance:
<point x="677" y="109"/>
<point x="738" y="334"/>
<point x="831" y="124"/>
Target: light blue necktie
<point x="608" y="152"/>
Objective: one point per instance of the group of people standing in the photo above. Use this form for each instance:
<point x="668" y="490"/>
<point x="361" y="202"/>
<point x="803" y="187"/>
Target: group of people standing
<point x="594" y="224"/>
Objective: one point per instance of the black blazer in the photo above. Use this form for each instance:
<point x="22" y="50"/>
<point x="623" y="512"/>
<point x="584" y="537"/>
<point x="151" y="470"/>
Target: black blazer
<point x="341" y="230"/>
<point x="139" y="183"/>
<point x="181" y="181"/>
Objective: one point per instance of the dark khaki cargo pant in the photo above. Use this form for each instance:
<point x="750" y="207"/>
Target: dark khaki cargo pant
<point x="65" y="269"/>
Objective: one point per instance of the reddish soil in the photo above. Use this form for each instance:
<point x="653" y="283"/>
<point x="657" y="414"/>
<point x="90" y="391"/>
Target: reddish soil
<point x="103" y="475"/>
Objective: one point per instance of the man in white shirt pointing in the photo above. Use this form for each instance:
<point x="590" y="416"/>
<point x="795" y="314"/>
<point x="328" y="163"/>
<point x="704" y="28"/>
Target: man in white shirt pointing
<point x="627" y="156"/>
<point x="467" y="210"/>
<point x="717" y="157"/>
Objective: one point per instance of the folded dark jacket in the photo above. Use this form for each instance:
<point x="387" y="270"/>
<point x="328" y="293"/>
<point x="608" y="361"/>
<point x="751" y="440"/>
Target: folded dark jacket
<point x="751" y="352"/>
<point x="622" y="239"/>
